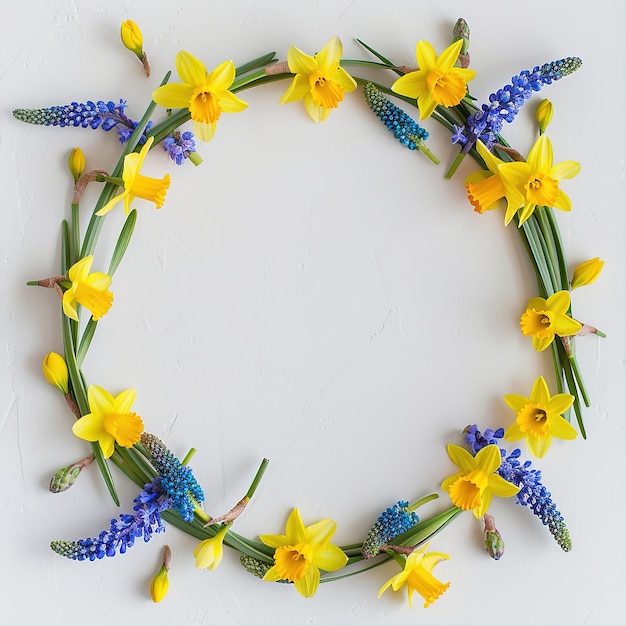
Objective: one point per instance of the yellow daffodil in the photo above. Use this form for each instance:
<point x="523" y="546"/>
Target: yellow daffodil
<point x="137" y="185"/>
<point x="55" y="371"/>
<point x="132" y="37"/>
<point x="90" y="290"/>
<point x="544" y="114"/>
<point x="437" y="81"/>
<point x="205" y="95"/>
<point x="110" y="420"/>
<point x="587" y="272"/>
<point x="544" y="319"/>
<point x="302" y="551"/>
<point x="539" y="418"/>
<point x="538" y="179"/>
<point x="319" y="80"/>
<point x="472" y="488"/>
<point x="486" y="188"/>
<point x="417" y="576"/>
<point x="76" y="163"/>
<point x="209" y="553"/>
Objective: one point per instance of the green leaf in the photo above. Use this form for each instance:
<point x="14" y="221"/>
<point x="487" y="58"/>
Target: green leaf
<point x="123" y="240"/>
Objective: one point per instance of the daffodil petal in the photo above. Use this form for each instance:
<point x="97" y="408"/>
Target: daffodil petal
<point x="297" y="90"/>
<point x="447" y="59"/>
<point x="540" y="393"/>
<point x="329" y="557"/>
<point x="123" y="402"/>
<point x="426" y="105"/>
<point x="295" y="530"/>
<point x="565" y="169"/>
<point x="559" y="302"/>
<point x="538" y="446"/>
<point x="80" y="270"/>
<point x="308" y="584"/>
<point x="107" y="445"/>
<point x="500" y="487"/>
<point x="515" y="402"/>
<point x="461" y="458"/>
<point x="272" y="575"/>
<point x="561" y="428"/>
<point x="560" y="403"/>
<point x="204" y="132"/>
<point x="300" y="62"/>
<point x="515" y="173"/>
<point x="329" y="56"/>
<point x="485" y="503"/>
<point x="190" y="69"/>
<point x="488" y="459"/>
<point x="425" y="55"/>
<point x="99" y="281"/>
<point x="69" y="305"/>
<point x="317" y="113"/>
<point x="342" y="78"/>
<point x="174" y="96"/>
<point x="540" y="157"/>
<point x="565" y="326"/>
<point x="222" y="77"/>
<point x="514" y="433"/>
<point x="320" y="532"/>
<point x="230" y="103"/>
<point x="100" y="400"/>
<point x="89" y="427"/>
<point x="541" y="343"/>
<point x="526" y="212"/>
<point x="563" y="202"/>
<point x="410" y="84"/>
<point x="274" y="541"/>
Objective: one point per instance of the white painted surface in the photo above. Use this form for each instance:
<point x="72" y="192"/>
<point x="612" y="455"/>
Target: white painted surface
<point x="313" y="294"/>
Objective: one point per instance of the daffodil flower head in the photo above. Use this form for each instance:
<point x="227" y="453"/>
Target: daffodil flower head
<point x="539" y="418"/>
<point x="417" y="576"/>
<point x="55" y="371"/>
<point x="545" y="319"/>
<point x="485" y="188"/>
<point x="538" y="178"/>
<point x="209" y="552"/>
<point x="136" y="185"/>
<point x="587" y="272"/>
<point x="319" y="80"/>
<point x="205" y="94"/>
<point x="544" y="113"/>
<point x="472" y="488"/>
<point x="437" y="81"/>
<point x="302" y="551"/>
<point x="110" y="420"/>
<point x="90" y="290"/>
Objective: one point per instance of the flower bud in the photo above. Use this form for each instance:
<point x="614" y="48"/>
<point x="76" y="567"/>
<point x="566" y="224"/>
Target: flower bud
<point x="132" y="38"/>
<point x="544" y="114"/>
<point x="160" y="583"/>
<point x="494" y="544"/>
<point x="461" y="31"/>
<point x="76" y="163"/>
<point x="587" y="272"/>
<point x="64" y="478"/>
<point x="55" y="371"/>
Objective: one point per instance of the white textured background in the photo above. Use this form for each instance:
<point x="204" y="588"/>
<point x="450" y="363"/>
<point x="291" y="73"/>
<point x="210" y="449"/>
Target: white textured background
<point x="314" y="294"/>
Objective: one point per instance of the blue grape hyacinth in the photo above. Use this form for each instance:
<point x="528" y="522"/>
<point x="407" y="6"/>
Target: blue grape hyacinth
<point x="505" y="103"/>
<point x="396" y="520"/>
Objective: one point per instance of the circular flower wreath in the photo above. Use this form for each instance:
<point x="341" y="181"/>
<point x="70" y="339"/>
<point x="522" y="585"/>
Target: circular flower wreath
<point x="529" y="189"/>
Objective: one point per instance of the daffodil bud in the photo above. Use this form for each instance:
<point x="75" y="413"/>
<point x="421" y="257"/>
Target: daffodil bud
<point x="64" y="478"/>
<point x="76" y="163"/>
<point x="55" y="371"/>
<point x="160" y="583"/>
<point x="587" y="272"/>
<point x="544" y="114"/>
<point x="494" y="543"/>
<point x="132" y="38"/>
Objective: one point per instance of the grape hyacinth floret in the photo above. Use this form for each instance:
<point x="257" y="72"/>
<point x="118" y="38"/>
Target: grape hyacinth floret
<point x="179" y="146"/>
<point x="177" y="480"/>
<point x="505" y="103"/>
<point x="532" y="493"/>
<point x="144" y="522"/>
<point x="391" y="523"/>
<point x="406" y="130"/>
